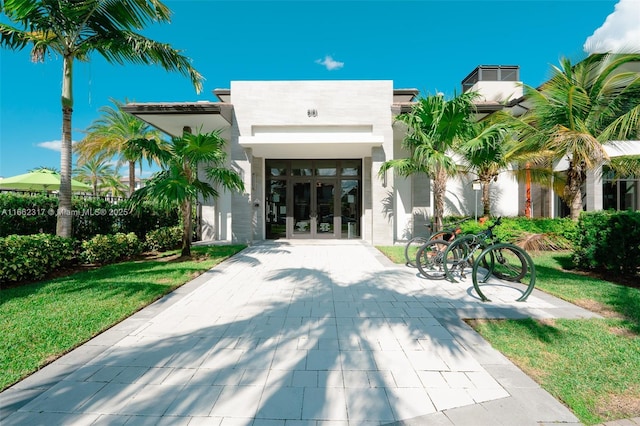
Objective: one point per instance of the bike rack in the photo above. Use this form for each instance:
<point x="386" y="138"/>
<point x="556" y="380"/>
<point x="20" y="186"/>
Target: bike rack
<point x="530" y="267"/>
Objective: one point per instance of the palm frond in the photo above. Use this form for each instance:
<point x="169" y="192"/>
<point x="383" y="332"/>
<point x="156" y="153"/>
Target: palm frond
<point x="578" y="146"/>
<point x="134" y="48"/>
<point x="625" y="166"/>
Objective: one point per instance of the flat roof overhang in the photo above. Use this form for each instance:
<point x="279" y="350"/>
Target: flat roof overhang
<point x="355" y="141"/>
<point x="171" y="118"/>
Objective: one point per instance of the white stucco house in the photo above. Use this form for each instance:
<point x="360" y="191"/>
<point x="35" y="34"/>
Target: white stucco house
<point x="310" y="151"/>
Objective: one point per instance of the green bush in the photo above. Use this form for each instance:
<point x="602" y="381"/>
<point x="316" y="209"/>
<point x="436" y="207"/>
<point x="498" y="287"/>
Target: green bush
<point x="103" y="249"/>
<point x="25" y="214"/>
<point x="31" y="257"/>
<point x="144" y="218"/>
<point x="608" y="241"/>
<point x="558" y="233"/>
<point x="167" y="238"/>
<point x="92" y="216"/>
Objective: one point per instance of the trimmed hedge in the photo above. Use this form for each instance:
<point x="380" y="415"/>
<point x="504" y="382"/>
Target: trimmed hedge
<point x="163" y="239"/>
<point x="558" y="232"/>
<point x="103" y="249"/>
<point x="24" y="214"/>
<point x="145" y="218"/>
<point x="608" y="241"/>
<point x="32" y="257"/>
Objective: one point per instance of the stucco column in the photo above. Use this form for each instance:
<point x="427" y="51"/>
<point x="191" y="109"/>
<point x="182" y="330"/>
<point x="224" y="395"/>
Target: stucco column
<point x="593" y="186"/>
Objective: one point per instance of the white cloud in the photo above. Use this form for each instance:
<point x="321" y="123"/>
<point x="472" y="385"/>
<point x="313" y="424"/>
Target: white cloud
<point x="329" y="63"/>
<point x="620" y="32"/>
<point x="52" y="145"/>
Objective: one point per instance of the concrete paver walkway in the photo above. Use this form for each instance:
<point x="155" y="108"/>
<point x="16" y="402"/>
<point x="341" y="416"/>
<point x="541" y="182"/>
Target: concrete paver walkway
<point x="298" y="333"/>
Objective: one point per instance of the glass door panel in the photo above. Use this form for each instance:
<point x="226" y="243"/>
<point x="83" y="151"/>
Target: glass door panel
<point x="276" y="209"/>
<point x="302" y="209"/>
<point x="349" y="205"/>
<point x="325" y="208"/>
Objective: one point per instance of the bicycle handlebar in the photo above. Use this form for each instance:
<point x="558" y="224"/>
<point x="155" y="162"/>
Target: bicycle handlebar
<point x="489" y="231"/>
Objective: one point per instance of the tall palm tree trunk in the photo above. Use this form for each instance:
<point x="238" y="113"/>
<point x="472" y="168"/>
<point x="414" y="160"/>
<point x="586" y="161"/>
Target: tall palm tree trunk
<point x="486" y="197"/>
<point x="573" y="189"/>
<point x="63" y="222"/>
<point x="132" y="177"/>
<point x="439" y="190"/>
<point x="186" y="228"/>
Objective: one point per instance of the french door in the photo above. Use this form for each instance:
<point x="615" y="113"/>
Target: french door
<point x="315" y="212"/>
<point x="313" y="198"/>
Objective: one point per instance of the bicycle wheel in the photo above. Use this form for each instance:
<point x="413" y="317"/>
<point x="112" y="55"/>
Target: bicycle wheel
<point x="509" y="263"/>
<point x="411" y="249"/>
<point x="429" y="259"/>
<point x="458" y="257"/>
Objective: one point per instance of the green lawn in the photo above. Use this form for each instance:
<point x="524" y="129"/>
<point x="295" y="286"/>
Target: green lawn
<point x="593" y="366"/>
<point x="41" y="321"/>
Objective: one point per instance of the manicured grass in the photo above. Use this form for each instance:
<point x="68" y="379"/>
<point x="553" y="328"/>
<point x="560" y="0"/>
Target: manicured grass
<point x="41" y="321"/>
<point x="593" y="365"/>
<point x="395" y="253"/>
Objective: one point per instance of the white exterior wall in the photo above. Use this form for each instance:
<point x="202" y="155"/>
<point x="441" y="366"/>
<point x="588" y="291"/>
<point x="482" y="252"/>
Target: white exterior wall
<point x="404" y="198"/>
<point x="498" y="91"/>
<point x="274" y="119"/>
<point x="461" y="197"/>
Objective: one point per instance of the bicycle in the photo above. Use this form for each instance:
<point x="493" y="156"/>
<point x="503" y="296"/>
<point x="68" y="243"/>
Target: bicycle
<point x="503" y="264"/>
<point x="414" y="244"/>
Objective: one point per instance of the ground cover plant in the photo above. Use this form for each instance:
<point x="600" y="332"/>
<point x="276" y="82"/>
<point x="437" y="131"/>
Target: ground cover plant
<point x="43" y="320"/>
<point x="591" y="365"/>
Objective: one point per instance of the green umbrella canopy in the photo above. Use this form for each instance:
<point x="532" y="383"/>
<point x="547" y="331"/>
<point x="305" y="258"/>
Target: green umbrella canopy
<point x="40" y="180"/>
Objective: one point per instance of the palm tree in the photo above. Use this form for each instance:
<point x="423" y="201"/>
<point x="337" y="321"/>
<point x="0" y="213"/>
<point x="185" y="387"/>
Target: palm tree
<point x="113" y="185"/>
<point x="120" y="133"/>
<point x="95" y="171"/>
<point x="47" y="168"/>
<point x="580" y="110"/>
<point x="486" y="154"/>
<point x="74" y="30"/>
<point x="178" y="184"/>
<point x="434" y="126"/>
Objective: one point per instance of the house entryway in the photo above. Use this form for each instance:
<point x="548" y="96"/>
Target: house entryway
<point x="319" y="199"/>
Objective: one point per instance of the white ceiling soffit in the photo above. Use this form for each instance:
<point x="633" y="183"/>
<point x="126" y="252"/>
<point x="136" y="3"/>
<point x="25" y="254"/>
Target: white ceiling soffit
<point x="312" y="142"/>
<point x="620" y="148"/>
<point x="172" y="118"/>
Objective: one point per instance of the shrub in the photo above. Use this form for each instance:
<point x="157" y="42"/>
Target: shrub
<point x="167" y="238"/>
<point x="27" y="214"/>
<point x="530" y="234"/>
<point x="608" y="241"/>
<point x="103" y="249"/>
<point x="144" y="218"/>
<point x="32" y="257"/>
<point x="92" y="216"/>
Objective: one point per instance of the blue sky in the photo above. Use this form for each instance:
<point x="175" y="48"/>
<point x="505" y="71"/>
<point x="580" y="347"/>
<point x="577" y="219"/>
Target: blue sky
<point x="428" y="45"/>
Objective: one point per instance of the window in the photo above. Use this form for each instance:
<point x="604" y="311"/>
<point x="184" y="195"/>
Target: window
<point x="619" y="194"/>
